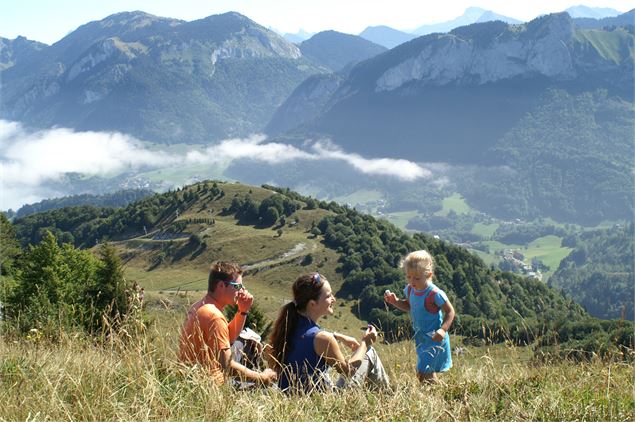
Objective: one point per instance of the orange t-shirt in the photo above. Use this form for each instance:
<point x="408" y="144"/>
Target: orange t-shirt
<point x="203" y="335"/>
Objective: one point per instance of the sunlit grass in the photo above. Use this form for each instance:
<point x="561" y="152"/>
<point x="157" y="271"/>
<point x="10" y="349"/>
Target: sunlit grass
<point x="485" y="230"/>
<point x="141" y="380"/>
<point x="456" y="203"/>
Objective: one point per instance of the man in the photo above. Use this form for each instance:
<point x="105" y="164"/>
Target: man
<point x="206" y="336"/>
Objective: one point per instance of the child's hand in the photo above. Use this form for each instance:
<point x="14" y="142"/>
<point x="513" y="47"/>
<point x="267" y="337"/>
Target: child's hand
<point x="439" y="335"/>
<point x="390" y="297"/>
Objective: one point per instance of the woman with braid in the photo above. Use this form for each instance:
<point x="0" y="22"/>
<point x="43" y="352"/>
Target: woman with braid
<point x="301" y="352"/>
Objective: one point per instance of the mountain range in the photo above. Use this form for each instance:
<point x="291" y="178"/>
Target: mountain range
<point x="470" y="16"/>
<point x="159" y="79"/>
<point x="515" y="98"/>
<point x="493" y="94"/>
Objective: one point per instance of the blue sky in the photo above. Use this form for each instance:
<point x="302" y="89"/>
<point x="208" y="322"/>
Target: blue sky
<point x="50" y="20"/>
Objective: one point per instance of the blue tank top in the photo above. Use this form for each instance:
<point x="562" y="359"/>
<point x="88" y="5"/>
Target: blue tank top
<point x="304" y="369"/>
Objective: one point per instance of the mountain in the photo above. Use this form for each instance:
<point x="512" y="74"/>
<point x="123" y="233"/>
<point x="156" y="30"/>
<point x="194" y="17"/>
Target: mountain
<point x="582" y="11"/>
<point x="335" y="50"/>
<point x="298" y="37"/>
<point x="470" y="16"/>
<point x="159" y="79"/>
<point x="627" y="19"/>
<point x="489" y="16"/>
<point x="386" y="36"/>
<point x="18" y="51"/>
<point x="495" y="95"/>
<point x="305" y="103"/>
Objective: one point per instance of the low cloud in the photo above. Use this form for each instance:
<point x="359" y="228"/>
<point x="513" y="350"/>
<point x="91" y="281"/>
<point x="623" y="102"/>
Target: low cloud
<point x="252" y="148"/>
<point x="401" y="169"/>
<point x="30" y="159"/>
<point x="256" y="148"/>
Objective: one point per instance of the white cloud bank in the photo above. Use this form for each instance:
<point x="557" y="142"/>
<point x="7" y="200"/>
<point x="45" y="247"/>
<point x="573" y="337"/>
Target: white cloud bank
<point x="30" y="159"/>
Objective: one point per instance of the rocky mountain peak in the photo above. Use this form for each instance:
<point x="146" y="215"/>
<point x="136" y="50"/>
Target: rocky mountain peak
<point x="488" y="52"/>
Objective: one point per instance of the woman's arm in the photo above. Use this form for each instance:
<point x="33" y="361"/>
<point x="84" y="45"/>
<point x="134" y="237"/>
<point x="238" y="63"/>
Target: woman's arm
<point x="234" y="368"/>
<point x="326" y="346"/>
<point x="350" y="342"/>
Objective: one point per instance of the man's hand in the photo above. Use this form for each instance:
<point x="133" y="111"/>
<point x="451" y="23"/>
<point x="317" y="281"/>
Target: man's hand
<point x="244" y="300"/>
<point x="390" y="297"/>
<point x="268" y="376"/>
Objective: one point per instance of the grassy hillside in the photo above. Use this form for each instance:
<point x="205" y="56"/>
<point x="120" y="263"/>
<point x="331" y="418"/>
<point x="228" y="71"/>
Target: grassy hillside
<point x="139" y="378"/>
<point x="168" y="241"/>
<point x="142" y="380"/>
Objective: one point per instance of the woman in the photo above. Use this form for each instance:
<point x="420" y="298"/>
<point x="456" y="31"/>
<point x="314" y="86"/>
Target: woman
<point x="301" y="352"/>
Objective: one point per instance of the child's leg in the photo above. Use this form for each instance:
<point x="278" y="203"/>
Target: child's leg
<point x="427" y="377"/>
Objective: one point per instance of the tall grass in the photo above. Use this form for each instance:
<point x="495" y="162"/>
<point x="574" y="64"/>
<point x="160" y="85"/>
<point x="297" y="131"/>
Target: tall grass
<point x="77" y="379"/>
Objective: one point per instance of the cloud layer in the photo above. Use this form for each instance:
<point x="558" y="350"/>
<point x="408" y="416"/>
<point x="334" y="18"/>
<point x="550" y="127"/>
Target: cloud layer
<point x="28" y="160"/>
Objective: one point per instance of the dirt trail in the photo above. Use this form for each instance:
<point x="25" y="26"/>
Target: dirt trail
<point x="298" y="250"/>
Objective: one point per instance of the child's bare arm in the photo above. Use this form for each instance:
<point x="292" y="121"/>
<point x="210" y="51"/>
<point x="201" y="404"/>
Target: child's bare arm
<point x="448" y="317"/>
<point x="401" y="304"/>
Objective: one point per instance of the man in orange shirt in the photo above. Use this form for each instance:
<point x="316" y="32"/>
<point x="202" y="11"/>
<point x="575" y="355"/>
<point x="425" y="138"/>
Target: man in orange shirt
<point x="206" y="336"/>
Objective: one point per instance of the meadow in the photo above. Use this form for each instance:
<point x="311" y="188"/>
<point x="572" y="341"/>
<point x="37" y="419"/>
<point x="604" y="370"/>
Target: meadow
<point x="140" y="379"/>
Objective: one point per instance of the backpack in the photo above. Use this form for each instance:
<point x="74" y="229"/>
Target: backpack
<point x="428" y="302"/>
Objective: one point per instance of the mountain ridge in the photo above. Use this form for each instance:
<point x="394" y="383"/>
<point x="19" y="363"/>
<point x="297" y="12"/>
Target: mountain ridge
<point x="145" y="75"/>
<point x="414" y="101"/>
<point x="337" y="50"/>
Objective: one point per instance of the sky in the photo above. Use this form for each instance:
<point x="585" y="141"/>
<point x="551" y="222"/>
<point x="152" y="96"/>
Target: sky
<point x="50" y="20"/>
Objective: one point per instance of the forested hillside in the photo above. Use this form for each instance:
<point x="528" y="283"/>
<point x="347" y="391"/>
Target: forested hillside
<point x="572" y="158"/>
<point x="598" y="274"/>
<point x="116" y="199"/>
<point x="492" y="305"/>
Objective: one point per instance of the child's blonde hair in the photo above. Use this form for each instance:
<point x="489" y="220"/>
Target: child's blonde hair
<point x="419" y="261"/>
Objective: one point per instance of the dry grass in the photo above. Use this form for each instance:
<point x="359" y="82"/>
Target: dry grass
<point x="77" y="380"/>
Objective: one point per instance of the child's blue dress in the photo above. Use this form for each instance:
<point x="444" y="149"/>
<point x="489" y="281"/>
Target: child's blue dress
<point x="425" y="312"/>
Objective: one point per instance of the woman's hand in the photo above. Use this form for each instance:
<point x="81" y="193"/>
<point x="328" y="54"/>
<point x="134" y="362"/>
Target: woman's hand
<point x="348" y="341"/>
<point x="370" y="336"/>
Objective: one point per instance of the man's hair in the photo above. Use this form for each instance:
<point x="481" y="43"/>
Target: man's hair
<point x="222" y="271"/>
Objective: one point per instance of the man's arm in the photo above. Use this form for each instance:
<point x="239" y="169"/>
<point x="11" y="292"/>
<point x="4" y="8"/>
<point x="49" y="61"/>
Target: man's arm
<point x="244" y="302"/>
<point x="236" y="326"/>
<point x="234" y="368"/>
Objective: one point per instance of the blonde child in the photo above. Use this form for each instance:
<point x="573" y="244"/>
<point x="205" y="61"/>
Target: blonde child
<point x="431" y="313"/>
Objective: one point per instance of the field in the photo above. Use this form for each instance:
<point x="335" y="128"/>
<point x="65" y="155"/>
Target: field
<point x="142" y="380"/>
<point x="139" y="378"/>
<point x="455" y="203"/>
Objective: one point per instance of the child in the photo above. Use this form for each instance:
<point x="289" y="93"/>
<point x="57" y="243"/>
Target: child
<point x="425" y="301"/>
